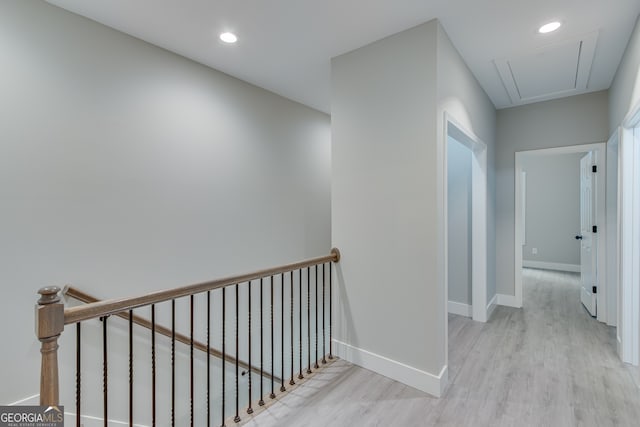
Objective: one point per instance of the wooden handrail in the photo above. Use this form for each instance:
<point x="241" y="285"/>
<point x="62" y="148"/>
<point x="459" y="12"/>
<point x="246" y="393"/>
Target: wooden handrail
<point x="115" y="306"/>
<point x="51" y="317"/>
<point x="145" y="323"/>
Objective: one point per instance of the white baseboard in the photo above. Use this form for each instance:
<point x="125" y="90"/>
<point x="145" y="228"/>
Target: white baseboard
<point x="90" y="421"/>
<point x="460" y="309"/>
<point x="416" y="378"/>
<point x="506" y="300"/>
<point x="492" y="306"/>
<point x="70" y="417"/>
<point x="551" y="266"/>
<point x="27" y="401"/>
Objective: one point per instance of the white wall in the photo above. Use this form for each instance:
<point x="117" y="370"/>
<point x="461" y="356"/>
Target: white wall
<point x="581" y="119"/>
<point x="388" y="104"/>
<point x="553" y="209"/>
<point x="383" y="200"/>
<point x="461" y="96"/>
<point x="459" y="221"/>
<point x="126" y="168"/>
<point x="624" y="93"/>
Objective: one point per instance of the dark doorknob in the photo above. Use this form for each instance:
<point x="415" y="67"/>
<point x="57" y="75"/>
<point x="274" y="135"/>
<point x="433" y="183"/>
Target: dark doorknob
<point x="578" y="237"/>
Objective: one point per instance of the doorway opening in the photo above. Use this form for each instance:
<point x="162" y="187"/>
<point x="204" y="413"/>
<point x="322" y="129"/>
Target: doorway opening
<point x="468" y="156"/>
<point x="459" y="228"/>
<point x="560" y="198"/>
<point x="471" y="149"/>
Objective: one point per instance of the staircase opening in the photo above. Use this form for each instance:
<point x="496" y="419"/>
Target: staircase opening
<point x="214" y="352"/>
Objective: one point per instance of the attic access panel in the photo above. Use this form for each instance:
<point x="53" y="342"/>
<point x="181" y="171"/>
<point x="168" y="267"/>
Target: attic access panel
<point x="545" y="73"/>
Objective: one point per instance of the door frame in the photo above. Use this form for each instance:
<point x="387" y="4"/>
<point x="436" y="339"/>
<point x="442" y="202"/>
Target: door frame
<point x="480" y="308"/>
<point x="600" y="152"/>
<point x="613" y="228"/>
<point x="628" y="335"/>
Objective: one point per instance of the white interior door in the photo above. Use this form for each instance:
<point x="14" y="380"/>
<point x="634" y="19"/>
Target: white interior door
<point x="588" y="248"/>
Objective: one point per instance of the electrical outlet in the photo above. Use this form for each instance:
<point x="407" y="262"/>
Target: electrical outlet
<point x="534" y="251"/>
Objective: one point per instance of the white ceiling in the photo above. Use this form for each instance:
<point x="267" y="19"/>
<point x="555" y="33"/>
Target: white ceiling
<point x="285" y="46"/>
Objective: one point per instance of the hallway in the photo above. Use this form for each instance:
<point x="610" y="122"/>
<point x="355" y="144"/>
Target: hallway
<point x="549" y="364"/>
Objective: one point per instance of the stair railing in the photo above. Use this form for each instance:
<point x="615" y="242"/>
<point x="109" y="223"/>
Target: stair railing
<point x="52" y="317"/>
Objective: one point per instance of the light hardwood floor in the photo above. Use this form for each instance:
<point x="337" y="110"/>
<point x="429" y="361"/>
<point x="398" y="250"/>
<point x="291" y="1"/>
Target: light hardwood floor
<point x="548" y="364"/>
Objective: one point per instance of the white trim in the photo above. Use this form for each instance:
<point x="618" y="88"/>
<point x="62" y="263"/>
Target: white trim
<point x="632" y="119"/>
<point x="523" y="185"/>
<point x="492" y="306"/>
<point x="413" y="377"/>
<point x="478" y="211"/>
<point x="600" y="151"/>
<point x="629" y="252"/>
<point x="31" y="400"/>
<point x="518" y="237"/>
<point x="459" y="308"/>
<point x="507" y="300"/>
<point x="479" y="232"/>
<point x="551" y="266"/>
<point x="89" y="421"/>
<point x="628" y="262"/>
<point x="569" y="149"/>
<point x="613" y="228"/>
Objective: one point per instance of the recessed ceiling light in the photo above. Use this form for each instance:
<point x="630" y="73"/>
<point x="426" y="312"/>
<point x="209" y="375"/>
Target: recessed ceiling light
<point x="228" y="37"/>
<point x="550" y="27"/>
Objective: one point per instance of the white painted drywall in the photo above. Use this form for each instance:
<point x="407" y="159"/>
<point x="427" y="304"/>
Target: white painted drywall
<point x="459" y="221"/>
<point x="383" y="198"/>
<point x="553" y="208"/>
<point x="126" y="168"/>
<point x="624" y="93"/>
<point x="389" y="99"/>
<point x="581" y="119"/>
<point x="461" y="96"/>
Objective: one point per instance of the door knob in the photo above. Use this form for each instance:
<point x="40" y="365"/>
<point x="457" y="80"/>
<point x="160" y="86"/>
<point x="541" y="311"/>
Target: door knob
<point x="578" y="237"/>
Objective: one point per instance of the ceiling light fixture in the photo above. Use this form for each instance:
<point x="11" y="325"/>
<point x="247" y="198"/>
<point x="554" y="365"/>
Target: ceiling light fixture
<point x="550" y="27"/>
<point x="228" y="38"/>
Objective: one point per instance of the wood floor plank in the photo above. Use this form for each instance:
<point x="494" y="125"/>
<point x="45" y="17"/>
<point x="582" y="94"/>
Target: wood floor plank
<point x="548" y="364"/>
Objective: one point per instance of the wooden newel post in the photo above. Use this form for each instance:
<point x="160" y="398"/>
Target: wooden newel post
<point x="49" y="326"/>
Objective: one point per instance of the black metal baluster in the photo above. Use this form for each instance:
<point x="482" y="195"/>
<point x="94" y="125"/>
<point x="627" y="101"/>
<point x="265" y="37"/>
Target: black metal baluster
<point x="324" y="336"/>
<point x="300" y="376"/>
<point x="308" y="320"/>
<point x="130" y="368"/>
<point x="315" y="364"/>
<point x="249" y="409"/>
<point x="78" y="383"/>
<point x="224" y="353"/>
<point x="272" y="395"/>
<point x="330" y="312"/>
<point x="261" y="402"/>
<point x="153" y="365"/>
<point x="191" y="395"/>
<point x="237" y="417"/>
<point x="173" y="362"/>
<point x="291" y="381"/>
<point x="105" y="385"/>
<point x="208" y="358"/>
<point x="282" y="387"/>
